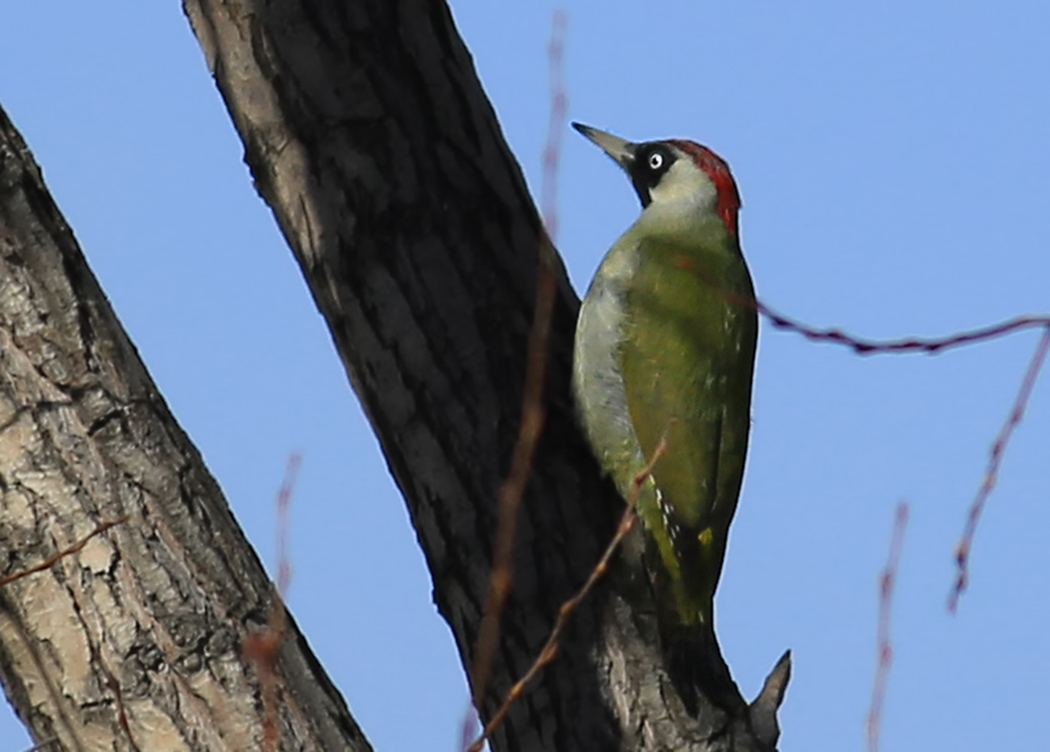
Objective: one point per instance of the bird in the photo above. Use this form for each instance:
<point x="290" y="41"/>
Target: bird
<point x="664" y="357"/>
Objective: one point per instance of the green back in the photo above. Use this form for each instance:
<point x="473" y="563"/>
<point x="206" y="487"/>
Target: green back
<point x="687" y="358"/>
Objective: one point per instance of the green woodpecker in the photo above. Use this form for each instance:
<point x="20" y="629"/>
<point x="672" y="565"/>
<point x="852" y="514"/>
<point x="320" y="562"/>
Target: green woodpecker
<point x="665" y="350"/>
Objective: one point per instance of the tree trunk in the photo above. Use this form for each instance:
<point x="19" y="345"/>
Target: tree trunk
<point x="368" y="134"/>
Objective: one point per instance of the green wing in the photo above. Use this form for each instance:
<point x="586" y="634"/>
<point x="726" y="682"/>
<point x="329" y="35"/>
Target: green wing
<point x="687" y="358"/>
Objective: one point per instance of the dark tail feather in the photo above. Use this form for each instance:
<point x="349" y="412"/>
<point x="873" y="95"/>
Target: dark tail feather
<point x="696" y="667"/>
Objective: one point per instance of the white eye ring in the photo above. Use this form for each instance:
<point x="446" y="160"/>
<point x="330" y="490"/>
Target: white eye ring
<point x="656" y="161"/>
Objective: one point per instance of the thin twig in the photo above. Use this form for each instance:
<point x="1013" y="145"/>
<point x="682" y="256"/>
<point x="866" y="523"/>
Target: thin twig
<point x="555" y="124"/>
<point x="49" y="561"/>
<point x="550" y="647"/>
<point x="469" y="728"/>
<point x="991" y="473"/>
<point x="861" y="346"/>
<point x="118" y="696"/>
<point x="533" y="413"/>
<point x="284" y="502"/>
<point x="261" y="646"/>
<point x="885" y="649"/>
<point x="111" y="680"/>
<point x="904" y="345"/>
<point x="513" y="488"/>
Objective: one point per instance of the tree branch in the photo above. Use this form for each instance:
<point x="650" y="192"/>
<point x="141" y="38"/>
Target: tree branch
<point x="132" y="638"/>
<point x="369" y="136"/>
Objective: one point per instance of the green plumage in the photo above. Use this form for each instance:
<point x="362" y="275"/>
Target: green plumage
<point x="685" y="353"/>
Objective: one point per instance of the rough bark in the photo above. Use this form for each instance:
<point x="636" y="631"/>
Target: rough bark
<point x="368" y="134"/>
<point x="134" y="642"/>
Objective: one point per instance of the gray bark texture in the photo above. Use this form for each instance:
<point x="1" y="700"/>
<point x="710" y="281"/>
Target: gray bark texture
<point x="369" y="136"/>
<point x="135" y="641"/>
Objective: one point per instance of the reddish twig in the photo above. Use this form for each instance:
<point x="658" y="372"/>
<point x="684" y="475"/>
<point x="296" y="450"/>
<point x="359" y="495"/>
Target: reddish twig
<point x="284" y="502"/>
<point x="261" y="646"/>
<point x="905" y="345"/>
<point x="469" y="728"/>
<point x="118" y="696"/>
<point x="991" y="474"/>
<point x="550" y="647"/>
<point x="533" y="413"/>
<point x="111" y="681"/>
<point x="555" y="125"/>
<point x="51" y="560"/>
<point x="885" y="649"/>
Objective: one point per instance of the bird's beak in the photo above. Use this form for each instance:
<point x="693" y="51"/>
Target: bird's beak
<point x="621" y="150"/>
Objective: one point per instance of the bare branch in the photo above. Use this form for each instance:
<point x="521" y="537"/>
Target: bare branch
<point x="904" y="345"/>
<point x="991" y="474"/>
<point x="284" y="502"/>
<point x="885" y="649"/>
<point x="555" y="125"/>
<point x="763" y="710"/>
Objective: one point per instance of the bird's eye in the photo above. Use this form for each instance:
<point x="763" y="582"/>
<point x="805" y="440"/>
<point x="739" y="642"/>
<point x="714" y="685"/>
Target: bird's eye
<point x="656" y="160"/>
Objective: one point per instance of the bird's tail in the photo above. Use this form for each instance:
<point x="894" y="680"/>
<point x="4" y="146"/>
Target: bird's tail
<point x="685" y="615"/>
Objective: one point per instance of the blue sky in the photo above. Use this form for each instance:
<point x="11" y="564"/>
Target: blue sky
<point x="893" y="161"/>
